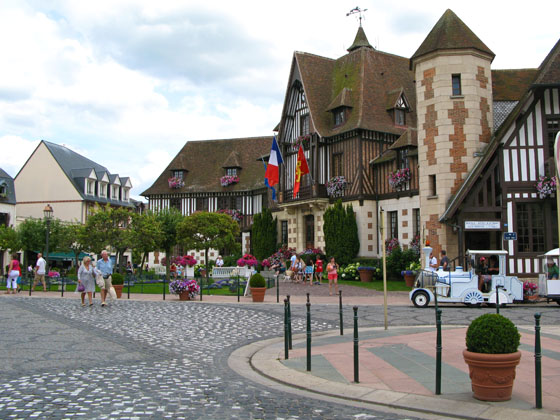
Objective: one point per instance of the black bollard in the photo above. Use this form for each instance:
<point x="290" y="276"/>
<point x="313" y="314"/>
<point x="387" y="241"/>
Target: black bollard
<point x="129" y="287"/>
<point x="438" y="352"/>
<point x="164" y="288"/>
<point x="538" y="367"/>
<point x="308" y="336"/>
<point x="289" y="322"/>
<point x="308" y="298"/>
<point x="286" y="333"/>
<point x="340" y="311"/>
<point x="356" y="343"/>
<point x="238" y="288"/>
<point x="61" y="286"/>
<point x="31" y="285"/>
<point x="278" y="288"/>
<point x="498" y="299"/>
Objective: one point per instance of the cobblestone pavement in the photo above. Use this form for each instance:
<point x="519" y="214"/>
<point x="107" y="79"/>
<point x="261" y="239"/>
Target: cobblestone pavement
<point x="140" y="360"/>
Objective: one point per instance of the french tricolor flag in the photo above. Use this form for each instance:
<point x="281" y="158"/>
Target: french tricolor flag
<point x="272" y="174"/>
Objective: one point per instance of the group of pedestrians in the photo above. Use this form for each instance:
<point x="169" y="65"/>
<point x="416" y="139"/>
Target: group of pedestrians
<point x="312" y="272"/>
<point x="13" y="282"/>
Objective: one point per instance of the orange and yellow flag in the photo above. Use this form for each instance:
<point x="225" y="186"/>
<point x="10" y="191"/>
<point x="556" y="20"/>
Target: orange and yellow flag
<point x="301" y="169"/>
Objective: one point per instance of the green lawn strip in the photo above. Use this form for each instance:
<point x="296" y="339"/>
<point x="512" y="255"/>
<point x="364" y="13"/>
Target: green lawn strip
<point x="392" y="285"/>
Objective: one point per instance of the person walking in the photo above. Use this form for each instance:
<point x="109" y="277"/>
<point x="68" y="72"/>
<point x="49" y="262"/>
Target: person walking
<point x="40" y="271"/>
<point x="86" y="277"/>
<point x="105" y="268"/>
<point x="13" y="274"/>
<point x="332" y="275"/>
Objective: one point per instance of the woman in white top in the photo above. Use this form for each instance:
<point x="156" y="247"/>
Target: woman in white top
<point x="86" y="276"/>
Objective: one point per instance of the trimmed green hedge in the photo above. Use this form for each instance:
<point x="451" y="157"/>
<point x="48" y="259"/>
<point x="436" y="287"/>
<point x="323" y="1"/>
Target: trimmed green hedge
<point x="492" y="334"/>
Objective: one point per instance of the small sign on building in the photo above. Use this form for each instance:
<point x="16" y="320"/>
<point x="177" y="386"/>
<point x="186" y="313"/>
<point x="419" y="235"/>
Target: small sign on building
<point x="482" y="225"/>
<point x="510" y="236"/>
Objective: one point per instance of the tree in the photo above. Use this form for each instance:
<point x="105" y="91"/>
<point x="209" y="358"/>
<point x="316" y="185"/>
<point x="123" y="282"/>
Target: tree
<point x="169" y="220"/>
<point x="264" y="234"/>
<point x="341" y="233"/>
<point x="32" y="236"/>
<point x="8" y="241"/>
<point x="204" y="230"/>
<point x="147" y="235"/>
<point x="109" y="226"/>
<point x="73" y="238"/>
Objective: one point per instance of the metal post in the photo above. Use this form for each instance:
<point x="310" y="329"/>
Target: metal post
<point x="308" y="336"/>
<point x="438" y="352"/>
<point x="61" y="286"/>
<point x="289" y="322"/>
<point x="498" y="299"/>
<point x="286" y="332"/>
<point x="308" y="301"/>
<point x="356" y="343"/>
<point x="278" y="288"/>
<point x="129" y="287"/>
<point x="238" y="288"/>
<point x="164" y="287"/>
<point x="340" y="312"/>
<point x="538" y="367"/>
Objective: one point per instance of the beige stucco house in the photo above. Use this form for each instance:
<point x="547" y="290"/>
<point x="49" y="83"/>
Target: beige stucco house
<point x="71" y="183"/>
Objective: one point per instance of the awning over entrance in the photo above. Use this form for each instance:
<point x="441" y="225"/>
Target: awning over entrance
<point x="65" y="256"/>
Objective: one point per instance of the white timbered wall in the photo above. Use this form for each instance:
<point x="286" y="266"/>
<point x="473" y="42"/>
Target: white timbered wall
<point x="297" y="107"/>
<point x="250" y="204"/>
<point x="524" y="156"/>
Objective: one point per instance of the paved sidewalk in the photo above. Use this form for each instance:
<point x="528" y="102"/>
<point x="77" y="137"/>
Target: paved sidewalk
<point x="397" y="369"/>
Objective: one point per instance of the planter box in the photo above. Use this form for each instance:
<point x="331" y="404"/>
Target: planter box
<point x="366" y="276"/>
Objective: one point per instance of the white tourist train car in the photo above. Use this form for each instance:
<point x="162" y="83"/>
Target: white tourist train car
<point x="462" y="286"/>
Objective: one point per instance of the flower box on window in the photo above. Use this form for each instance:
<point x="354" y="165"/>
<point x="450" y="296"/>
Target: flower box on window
<point x="175" y="182"/>
<point x="399" y="178"/>
<point x="546" y="186"/>
<point x="228" y="180"/>
<point x="336" y="186"/>
<point x="303" y="141"/>
<point x="234" y="214"/>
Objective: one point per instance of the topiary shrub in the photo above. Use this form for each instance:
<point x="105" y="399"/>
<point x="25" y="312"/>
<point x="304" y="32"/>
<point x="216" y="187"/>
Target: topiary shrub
<point x="492" y="334"/>
<point x="117" y="279"/>
<point x="257" y="281"/>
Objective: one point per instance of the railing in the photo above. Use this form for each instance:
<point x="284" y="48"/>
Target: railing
<point x="305" y="193"/>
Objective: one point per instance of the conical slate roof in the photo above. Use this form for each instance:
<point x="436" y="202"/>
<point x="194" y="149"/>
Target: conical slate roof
<point x="360" y="41"/>
<point x="450" y="32"/>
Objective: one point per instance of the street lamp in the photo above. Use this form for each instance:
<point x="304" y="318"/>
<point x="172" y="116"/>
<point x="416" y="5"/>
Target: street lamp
<point x="48" y="213"/>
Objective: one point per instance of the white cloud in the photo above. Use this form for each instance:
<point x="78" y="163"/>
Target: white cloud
<point x="16" y="151"/>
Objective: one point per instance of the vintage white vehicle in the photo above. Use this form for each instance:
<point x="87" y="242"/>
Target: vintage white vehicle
<point x="473" y="286"/>
<point x="549" y="288"/>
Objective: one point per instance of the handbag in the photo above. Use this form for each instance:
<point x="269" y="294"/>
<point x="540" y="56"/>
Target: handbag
<point x="113" y="292"/>
<point x="81" y="287"/>
<point x="99" y="281"/>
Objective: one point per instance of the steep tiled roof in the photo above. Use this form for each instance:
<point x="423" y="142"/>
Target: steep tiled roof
<point x="368" y="74"/>
<point x="344" y="98"/>
<point x="8" y="182"/>
<point x="75" y="166"/>
<point x="510" y="85"/>
<point x="549" y="70"/>
<point x="232" y="160"/>
<point x="451" y="33"/>
<point x="204" y="161"/>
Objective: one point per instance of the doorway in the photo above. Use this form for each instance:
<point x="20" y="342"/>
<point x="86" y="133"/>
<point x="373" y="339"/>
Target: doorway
<point x="309" y="231"/>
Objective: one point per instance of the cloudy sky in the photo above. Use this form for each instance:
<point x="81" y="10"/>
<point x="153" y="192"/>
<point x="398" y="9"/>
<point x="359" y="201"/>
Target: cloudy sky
<point x="128" y="82"/>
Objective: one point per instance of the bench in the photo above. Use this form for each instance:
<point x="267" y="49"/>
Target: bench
<point x="228" y="272"/>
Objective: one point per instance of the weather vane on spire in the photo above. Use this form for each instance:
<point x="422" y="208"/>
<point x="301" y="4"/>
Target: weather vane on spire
<point x="358" y="11"/>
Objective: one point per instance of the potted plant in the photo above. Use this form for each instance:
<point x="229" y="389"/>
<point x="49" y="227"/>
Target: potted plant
<point x="492" y="341"/>
<point x="117" y="281"/>
<point x="257" y="284"/>
<point x="410" y="273"/>
<point x="186" y="289"/>
<point x="530" y="291"/>
<point x="366" y="273"/>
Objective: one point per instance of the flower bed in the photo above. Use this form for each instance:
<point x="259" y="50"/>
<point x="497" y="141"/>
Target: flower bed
<point x="228" y="180"/>
<point x="247" y="260"/>
<point x="176" y="182"/>
<point x="546" y="186"/>
<point x="391" y="245"/>
<point x="399" y="178"/>
<point x="336" y="186"/>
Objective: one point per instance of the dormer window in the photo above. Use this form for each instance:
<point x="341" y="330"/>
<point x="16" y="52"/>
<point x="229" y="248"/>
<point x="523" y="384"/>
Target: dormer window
<point x="398" y="105"/>
<point x="102" y="189"/>
<point x="114" y="192"/>
<point x="125" y="194"/>
<point x="177" y="174"/>
<point x="90" y="187"/>
<point x="304" y="125"/>
<point x="231" y="171"/>
<point x="3" y="190"/>
<point x="338" y="116"/>
<point x="400" y="117"/>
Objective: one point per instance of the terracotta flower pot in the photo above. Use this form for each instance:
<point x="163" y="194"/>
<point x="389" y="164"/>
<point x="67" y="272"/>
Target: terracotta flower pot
<point x="118" y="290"/>
<point x="409" y="280"/>
<point x="366" y="276"/>
<point x="184" y="296"/>
<point x="258" y="293"/>
<point x="492" y="375"/>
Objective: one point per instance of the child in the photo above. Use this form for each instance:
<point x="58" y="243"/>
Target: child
<point x="309" y="272"/>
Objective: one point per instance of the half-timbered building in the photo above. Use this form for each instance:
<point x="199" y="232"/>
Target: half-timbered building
<point x="215" y="175"/>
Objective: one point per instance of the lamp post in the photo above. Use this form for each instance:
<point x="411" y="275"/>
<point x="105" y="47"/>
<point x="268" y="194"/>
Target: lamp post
<point x="48" y="213"/>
